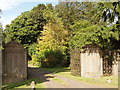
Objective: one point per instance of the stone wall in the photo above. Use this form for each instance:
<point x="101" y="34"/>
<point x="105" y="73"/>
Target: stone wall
<point x="14" y="62"/>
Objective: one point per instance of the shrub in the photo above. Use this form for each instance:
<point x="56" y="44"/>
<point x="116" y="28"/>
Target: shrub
<point x="50" y="61"/>
<point x="50" y="58"/>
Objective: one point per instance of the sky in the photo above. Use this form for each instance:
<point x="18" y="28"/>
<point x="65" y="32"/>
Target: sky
<point x="13" y="8"/>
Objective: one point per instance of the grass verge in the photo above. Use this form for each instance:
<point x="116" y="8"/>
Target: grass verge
<point x="98" y="81"/>
<point x="24" y="84"/>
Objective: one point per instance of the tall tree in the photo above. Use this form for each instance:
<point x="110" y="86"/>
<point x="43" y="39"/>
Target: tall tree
<point x="102" y="27"/>
<point x="69" y="12"/>
<point x="26" y="27"/>
<point x="86" y="33"/>
<point x="53" y="37"/>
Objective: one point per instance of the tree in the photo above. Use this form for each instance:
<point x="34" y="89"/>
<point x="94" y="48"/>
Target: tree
<point x="98" y="28"/>
<point x="26" y="27"/>
<point x="84" y="32"/>
<point x="97" y="13"/>
<point x="69" y="12"/>
<point x="52" y="40"/>
<point x="111" y="11"/>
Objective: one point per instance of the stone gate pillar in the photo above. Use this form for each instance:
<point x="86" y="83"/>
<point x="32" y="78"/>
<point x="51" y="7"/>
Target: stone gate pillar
<point x="14" y="62"/>
<point x="91" y="61"/>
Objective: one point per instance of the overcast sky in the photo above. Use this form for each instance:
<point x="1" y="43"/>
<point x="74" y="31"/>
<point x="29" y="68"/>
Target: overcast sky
<point x="12" y="8"/>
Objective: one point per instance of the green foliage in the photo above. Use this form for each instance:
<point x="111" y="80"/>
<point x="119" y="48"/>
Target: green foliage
<point x="83" y="31"/>
<point x="52" y="40"/>
<point x="86" y="33"/>
<point x="50" y="60"/>
<point x="69" y="12"/>
<point x="112" y="9"/>
<point x="50" y="51"/>
<point x="97" y="28"/>
<point x="102" y="13"/>
<point x="32" y="49"/>
<point x="26" y="27"/>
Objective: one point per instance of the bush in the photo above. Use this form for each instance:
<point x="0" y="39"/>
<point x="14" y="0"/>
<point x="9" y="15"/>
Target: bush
<point x="66" y="63"/>
<point x="50" y="58"/>
<point x="47" y="57"/>
<point x="49" y="62"/>
<point x="32" y="49"/>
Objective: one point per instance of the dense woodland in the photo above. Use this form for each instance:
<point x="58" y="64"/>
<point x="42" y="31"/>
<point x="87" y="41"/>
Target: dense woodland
<point x="49" y="32"/>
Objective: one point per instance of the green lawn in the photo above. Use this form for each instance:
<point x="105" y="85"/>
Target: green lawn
<point x="24" y="84"/>
<point x="100" y="81"/>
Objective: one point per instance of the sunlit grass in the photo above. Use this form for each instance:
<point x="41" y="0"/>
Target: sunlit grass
<point x="98" y="81"/>
<point x="58" y="70"/>
<point x="24" y="84"/>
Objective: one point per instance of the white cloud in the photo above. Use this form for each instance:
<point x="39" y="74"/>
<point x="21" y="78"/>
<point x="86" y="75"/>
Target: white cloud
<point x="8" y="4"/>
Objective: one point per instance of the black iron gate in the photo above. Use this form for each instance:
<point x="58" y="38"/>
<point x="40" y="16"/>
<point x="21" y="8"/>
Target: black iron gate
<point x="75" y="63"/>
<point x="107" y="63"/>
